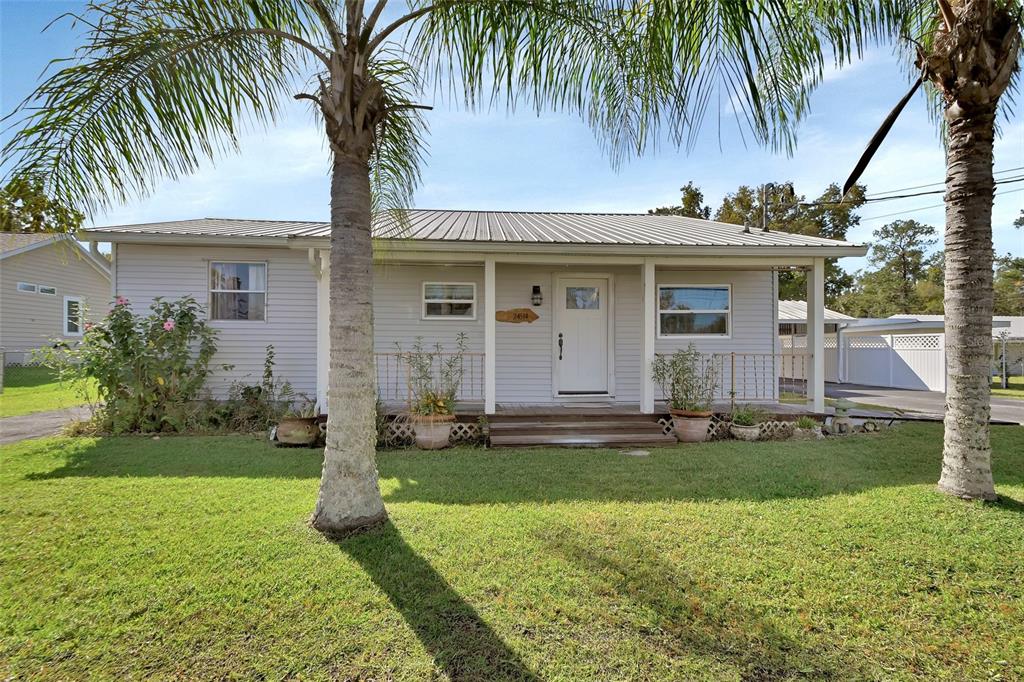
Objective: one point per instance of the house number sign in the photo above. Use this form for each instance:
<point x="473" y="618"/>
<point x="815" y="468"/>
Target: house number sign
<point x="516" y="315"/>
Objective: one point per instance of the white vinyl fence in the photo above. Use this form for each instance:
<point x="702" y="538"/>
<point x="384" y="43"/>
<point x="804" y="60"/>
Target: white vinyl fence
<point x="912" y="361"/>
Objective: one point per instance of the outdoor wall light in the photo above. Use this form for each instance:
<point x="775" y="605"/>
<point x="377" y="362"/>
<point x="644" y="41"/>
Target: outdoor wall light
<point x="536" y="298"/>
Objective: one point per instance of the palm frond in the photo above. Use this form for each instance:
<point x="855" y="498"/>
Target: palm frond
<point x="158" y="86"/>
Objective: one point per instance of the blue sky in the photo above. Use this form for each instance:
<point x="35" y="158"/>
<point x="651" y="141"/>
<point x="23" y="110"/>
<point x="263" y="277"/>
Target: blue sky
<point x="521" y="161"/>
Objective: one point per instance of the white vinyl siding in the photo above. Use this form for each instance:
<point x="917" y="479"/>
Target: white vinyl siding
<point x="146" y="271"/>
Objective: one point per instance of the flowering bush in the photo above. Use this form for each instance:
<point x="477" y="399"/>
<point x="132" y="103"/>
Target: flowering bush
<point x="148" y="369"/>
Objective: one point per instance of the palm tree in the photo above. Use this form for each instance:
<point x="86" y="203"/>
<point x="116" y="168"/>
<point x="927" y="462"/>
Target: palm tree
<point x="966" y="52"/>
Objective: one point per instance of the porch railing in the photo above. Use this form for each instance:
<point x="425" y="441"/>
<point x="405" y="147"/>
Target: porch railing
<point x="393" y="376"/>
<point x="753" y="377"/>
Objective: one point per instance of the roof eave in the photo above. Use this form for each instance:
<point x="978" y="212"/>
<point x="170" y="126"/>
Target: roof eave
<point x="820" y="251"/>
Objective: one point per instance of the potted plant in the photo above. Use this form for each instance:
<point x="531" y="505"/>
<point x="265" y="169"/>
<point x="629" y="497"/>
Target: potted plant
<point x="299" y="425"/>
<point x="434" y="380"/>
<point x="807" y="428"/>
<point x="688" y="381"/>
<point x="746" y="423"/>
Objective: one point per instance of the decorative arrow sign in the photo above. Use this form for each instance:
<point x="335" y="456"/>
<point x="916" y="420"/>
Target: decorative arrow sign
<point x="516" y="315"/>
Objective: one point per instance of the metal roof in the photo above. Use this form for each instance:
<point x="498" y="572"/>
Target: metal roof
<point x="796" y="312"/>
<point x="505" y="227"/>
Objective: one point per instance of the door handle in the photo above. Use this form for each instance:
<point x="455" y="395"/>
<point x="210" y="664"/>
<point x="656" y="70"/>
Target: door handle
<point x="559" y="345"/>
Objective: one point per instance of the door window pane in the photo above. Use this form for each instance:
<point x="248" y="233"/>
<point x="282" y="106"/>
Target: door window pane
<point x="582" y="298"/>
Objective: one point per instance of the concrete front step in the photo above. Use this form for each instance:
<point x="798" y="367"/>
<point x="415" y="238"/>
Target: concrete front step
<point x="581" y="440"/>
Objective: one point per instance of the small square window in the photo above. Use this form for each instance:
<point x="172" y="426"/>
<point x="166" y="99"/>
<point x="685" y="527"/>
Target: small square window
<point x="238" y="291"/>
<point x="49" y="291"/>
<point x="72" y="316"/>
<point x="443" y="300"/>
<point x="26" y="288"/>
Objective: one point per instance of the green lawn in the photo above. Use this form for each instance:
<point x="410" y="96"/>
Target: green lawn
<point x="35" y="389"/>
<point x="1016" y="389"/>
<point x="190" y="557"/>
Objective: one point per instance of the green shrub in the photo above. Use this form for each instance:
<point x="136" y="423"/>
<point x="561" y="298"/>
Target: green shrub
<point x="433" y="378"/>
<point x="805" y="422"/>
<point x="148" y="370"/>
<point x="687" y="379"/>
<point x="748" y="415"/>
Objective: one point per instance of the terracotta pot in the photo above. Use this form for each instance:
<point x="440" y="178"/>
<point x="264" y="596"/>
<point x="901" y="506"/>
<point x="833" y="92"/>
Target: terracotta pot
<point x="691" y="427"/>
<point x="432" y="431"/>
<point x="747" y="433"/>
<point x="298" y="430"/>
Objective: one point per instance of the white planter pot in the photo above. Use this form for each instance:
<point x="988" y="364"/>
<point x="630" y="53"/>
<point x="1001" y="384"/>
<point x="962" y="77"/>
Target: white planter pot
<point x="691" y="429"/>
<point x="747" y="433"/>
<point x="433" y="433"/>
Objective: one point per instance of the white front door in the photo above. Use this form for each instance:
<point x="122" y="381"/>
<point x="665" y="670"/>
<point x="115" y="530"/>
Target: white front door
<point x="581" y="337"/>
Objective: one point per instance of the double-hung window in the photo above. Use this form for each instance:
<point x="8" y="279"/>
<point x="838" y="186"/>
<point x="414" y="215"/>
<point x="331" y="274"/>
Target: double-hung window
<point x="238" y="291"/>
<point x="447" y="300"/>
<point x="72" y="316"/>
<point x="694" y="310"/>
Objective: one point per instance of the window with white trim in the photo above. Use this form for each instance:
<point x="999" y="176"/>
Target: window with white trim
<point x="72" y="316"/>
<point x="445" y="300"/>
<point x="26" y="288"/>
<point x="238" y="291"/>
<point x="47" y="290"/>
<point x="694" y="310"/>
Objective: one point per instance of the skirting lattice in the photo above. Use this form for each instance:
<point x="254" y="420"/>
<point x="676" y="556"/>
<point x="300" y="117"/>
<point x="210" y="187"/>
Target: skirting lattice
<point x="719" y="428"/>
<point x="400" y="432"/>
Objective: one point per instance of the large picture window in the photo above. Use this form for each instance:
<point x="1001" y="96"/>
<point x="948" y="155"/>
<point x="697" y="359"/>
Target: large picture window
<point x="444" y="300"/>
<point x="238" y="291"/>
<point x="694" y="310"/>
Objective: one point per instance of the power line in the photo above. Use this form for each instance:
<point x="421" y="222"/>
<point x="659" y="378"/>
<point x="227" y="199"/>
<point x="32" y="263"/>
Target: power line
<point x="872" y="200"/>
<point x="930" y="184"/>
<point x="924" y="208"/>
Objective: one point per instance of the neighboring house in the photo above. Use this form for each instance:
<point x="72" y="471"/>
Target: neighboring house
<point x="558" y="308"/>
<point x="901" y="351"/>
<point x="49" y="286"/>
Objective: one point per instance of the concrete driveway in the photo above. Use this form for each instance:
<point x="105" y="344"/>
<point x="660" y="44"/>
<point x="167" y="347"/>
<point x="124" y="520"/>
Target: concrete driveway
<point x="924" y="402"/>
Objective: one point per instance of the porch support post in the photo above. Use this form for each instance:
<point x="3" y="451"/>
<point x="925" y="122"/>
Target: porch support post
<point x="647" y="336"/>
<point x="490" y="344"/>
<point x="816" y="335"/>
<point x="323" y="329"/>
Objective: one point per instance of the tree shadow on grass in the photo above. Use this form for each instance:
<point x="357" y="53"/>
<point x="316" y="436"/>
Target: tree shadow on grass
<point x="689" y="618"/>
<point x="462" y="645"/>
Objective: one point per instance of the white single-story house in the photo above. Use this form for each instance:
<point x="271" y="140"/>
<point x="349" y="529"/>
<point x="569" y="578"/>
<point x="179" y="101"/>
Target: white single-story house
<point x="901" y="351"/>
<point x="558" y="308"/>
<point x="49" y="287"/>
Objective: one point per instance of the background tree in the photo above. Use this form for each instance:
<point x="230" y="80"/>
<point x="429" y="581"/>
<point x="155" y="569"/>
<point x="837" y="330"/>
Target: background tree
<point x="691" y="204"/>
<point x="899" y="254"/>
<point x="786" y="211"/>
<point x="1008" y="286"/>
<point x="1019" y="222"/>
<point x="25" y="207"/>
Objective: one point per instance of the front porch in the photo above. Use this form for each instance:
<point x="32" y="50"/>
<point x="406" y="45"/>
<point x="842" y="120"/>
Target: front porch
<point x="566" y="334"/>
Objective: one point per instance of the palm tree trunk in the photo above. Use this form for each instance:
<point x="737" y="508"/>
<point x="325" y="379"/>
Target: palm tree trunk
<point x="349" y="497"/>
<point x="967" y="454"/>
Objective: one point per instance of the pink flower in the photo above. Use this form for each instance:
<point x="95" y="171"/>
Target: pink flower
<point x="89" y="325"/>
<point x="169" y="324"/>
<point x="121" y="300"/>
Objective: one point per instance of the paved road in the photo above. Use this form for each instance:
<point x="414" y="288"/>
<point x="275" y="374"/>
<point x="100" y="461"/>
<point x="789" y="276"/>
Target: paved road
<point x="39" y="424"/>
<point x="926" y="402"/>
